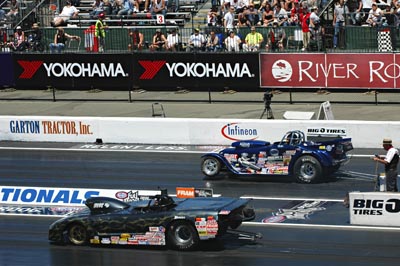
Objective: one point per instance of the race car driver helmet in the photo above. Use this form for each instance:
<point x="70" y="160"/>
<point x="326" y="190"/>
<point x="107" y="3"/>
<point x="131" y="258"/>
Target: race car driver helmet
<point x="293" y="138"/>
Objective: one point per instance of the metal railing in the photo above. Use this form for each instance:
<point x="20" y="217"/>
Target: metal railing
<point x="352" y="38"/>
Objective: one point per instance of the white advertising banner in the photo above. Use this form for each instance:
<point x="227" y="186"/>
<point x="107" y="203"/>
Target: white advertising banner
<point x="49" y="196"/>
<point x="179" y="131"/>
<point x="375" y="208"/>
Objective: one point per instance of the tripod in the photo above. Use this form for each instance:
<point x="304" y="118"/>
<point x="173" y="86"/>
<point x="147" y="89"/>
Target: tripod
<point x="267" y="105"/>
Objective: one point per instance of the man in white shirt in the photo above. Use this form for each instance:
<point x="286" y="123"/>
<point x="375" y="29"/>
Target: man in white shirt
<point x="172" y="41"/>
<point x="68" y="11"/>
<point x="197" y="41"/>
<point x="232" y="42"/>
<point x="229" y="19"/>
<point x="375" y="16"/>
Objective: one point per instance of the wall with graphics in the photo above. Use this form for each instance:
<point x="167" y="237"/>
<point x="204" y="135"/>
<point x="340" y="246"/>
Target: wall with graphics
<point x="194" y="131"/>
<point x="200" y="71"/>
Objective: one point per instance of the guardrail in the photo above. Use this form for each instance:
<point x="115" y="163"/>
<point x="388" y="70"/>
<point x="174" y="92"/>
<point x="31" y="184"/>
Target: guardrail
<point x="355" y="38"/>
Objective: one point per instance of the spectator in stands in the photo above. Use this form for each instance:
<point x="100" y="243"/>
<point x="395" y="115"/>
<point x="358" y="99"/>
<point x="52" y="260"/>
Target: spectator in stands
<point x="127" y="8"/>
<point x="304" y="20"/>
<point x="158" y="7"/>
<point x="268" y="15"/>
<point x="316" y="30"/>
<point x="197" y="41"/>
<point x="146" y="5"/>
<point x="35" y="38"/>
<point x="356" y="14"/>
<point x="391" y="18"/>
<point x="137" y="37"/>
<point x="251" y="15"/>
<point x="280" y="15"/>
<point x="60" y="39"/>
<point x="213" y="17"/>
<point x="19" y="43"/>
<point x="14" y="9"/>
<point x="107" y="7"/>
<point x="97" y="8"/>
<point x="68" y="11"/>
<point x="232" y="42"/>
<point x="242" y="19"/>
<point x="100" y="31"/>
<point x="252" y="41"/>
<point x="295" y="13"/>
<point x="173" y="41"/>
<point x="117" y="6"/>
<point x="213" y="42"/>
<point x="338" y="21"/>
<point x="276" y="38"/>
<point x="375" y="16"/>
<point x="76" y="3"/>
<point x="229" y="19"/>
<point x="159" y="42"/>
<point x="2" y="12"/>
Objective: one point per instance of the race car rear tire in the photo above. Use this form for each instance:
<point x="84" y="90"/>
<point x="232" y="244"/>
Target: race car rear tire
<point x="78" y="235"/>
<point x="210" y="166"/>
<point x="182" y="235"/>
<point x="307" y="169"/>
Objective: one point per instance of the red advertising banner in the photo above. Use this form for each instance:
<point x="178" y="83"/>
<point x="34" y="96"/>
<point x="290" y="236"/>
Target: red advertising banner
<point x="378" y="71"/>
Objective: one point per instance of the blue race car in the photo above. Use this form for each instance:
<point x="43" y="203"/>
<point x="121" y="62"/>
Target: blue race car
<point x="306" y="161"/>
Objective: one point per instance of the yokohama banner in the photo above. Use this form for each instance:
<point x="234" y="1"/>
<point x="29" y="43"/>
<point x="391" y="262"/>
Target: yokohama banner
<point x="197" y="71"/>
<point x="73" y="71"/>
<point x="380" y="71"/>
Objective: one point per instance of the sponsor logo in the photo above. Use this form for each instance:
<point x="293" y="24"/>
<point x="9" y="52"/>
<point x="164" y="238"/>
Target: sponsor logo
<point x="29" y="68"/>
<point x="121" y="195"/>
<point x="300" y="211"/>
<point x="282" y="70"/>
<point x="151" y="68"/>
<point x="236" y="132"/>
<point x="375" y="207"/>
<point x="198" y="70"/>
<point x="73" y="70"/>
<point x="101" y="205"/>
<point x="184" y="192"/>
<point x="32" y="195"/>
<point x="326" y="131"/>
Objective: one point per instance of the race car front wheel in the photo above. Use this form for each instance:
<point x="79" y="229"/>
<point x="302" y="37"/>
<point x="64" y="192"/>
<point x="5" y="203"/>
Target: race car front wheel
<point x="77" y="234"/>
<point x="210" y="166"/>
<point x="307" y="169"/>
<point x="182" y="236"/>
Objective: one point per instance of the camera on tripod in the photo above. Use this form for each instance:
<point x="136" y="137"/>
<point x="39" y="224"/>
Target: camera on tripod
<point x="267" y="98"/>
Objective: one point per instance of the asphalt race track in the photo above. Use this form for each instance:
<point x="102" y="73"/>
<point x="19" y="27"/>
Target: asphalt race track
<point x="320" y="237"/>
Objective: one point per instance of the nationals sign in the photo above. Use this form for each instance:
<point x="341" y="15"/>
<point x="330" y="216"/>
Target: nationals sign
<point x="330" y="70"/>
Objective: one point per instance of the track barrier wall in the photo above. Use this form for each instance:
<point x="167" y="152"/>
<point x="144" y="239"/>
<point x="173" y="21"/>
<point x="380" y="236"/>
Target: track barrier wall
<point x="178" y="131"/>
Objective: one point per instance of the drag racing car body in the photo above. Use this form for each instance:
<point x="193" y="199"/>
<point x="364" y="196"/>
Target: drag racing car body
<point x="307" y="161"/>
<point x="162" y="220"/>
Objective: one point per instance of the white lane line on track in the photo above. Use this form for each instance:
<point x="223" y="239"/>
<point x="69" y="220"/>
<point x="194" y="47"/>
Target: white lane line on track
<point x="142" y="150"/>
<point x="341" y="227"/>
<point x="94" y="150"/>
<point x="287" y="198"/>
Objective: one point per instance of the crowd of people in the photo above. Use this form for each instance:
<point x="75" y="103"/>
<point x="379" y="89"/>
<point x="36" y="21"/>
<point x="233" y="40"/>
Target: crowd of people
<point x="226" y="20"/>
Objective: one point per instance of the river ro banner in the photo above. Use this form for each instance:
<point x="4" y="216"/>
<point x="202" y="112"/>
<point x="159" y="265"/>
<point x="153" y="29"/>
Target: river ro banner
<point x="347" y="70"/>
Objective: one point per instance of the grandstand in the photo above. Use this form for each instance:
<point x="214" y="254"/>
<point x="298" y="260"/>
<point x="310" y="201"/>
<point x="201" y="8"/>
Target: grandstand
<point x="184" y="15"/>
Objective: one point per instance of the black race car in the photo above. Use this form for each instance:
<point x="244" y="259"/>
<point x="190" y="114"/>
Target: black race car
<point x="162" y="220"/>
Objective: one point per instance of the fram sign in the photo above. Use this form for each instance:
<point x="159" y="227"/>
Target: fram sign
<point x="330" y="70"/>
